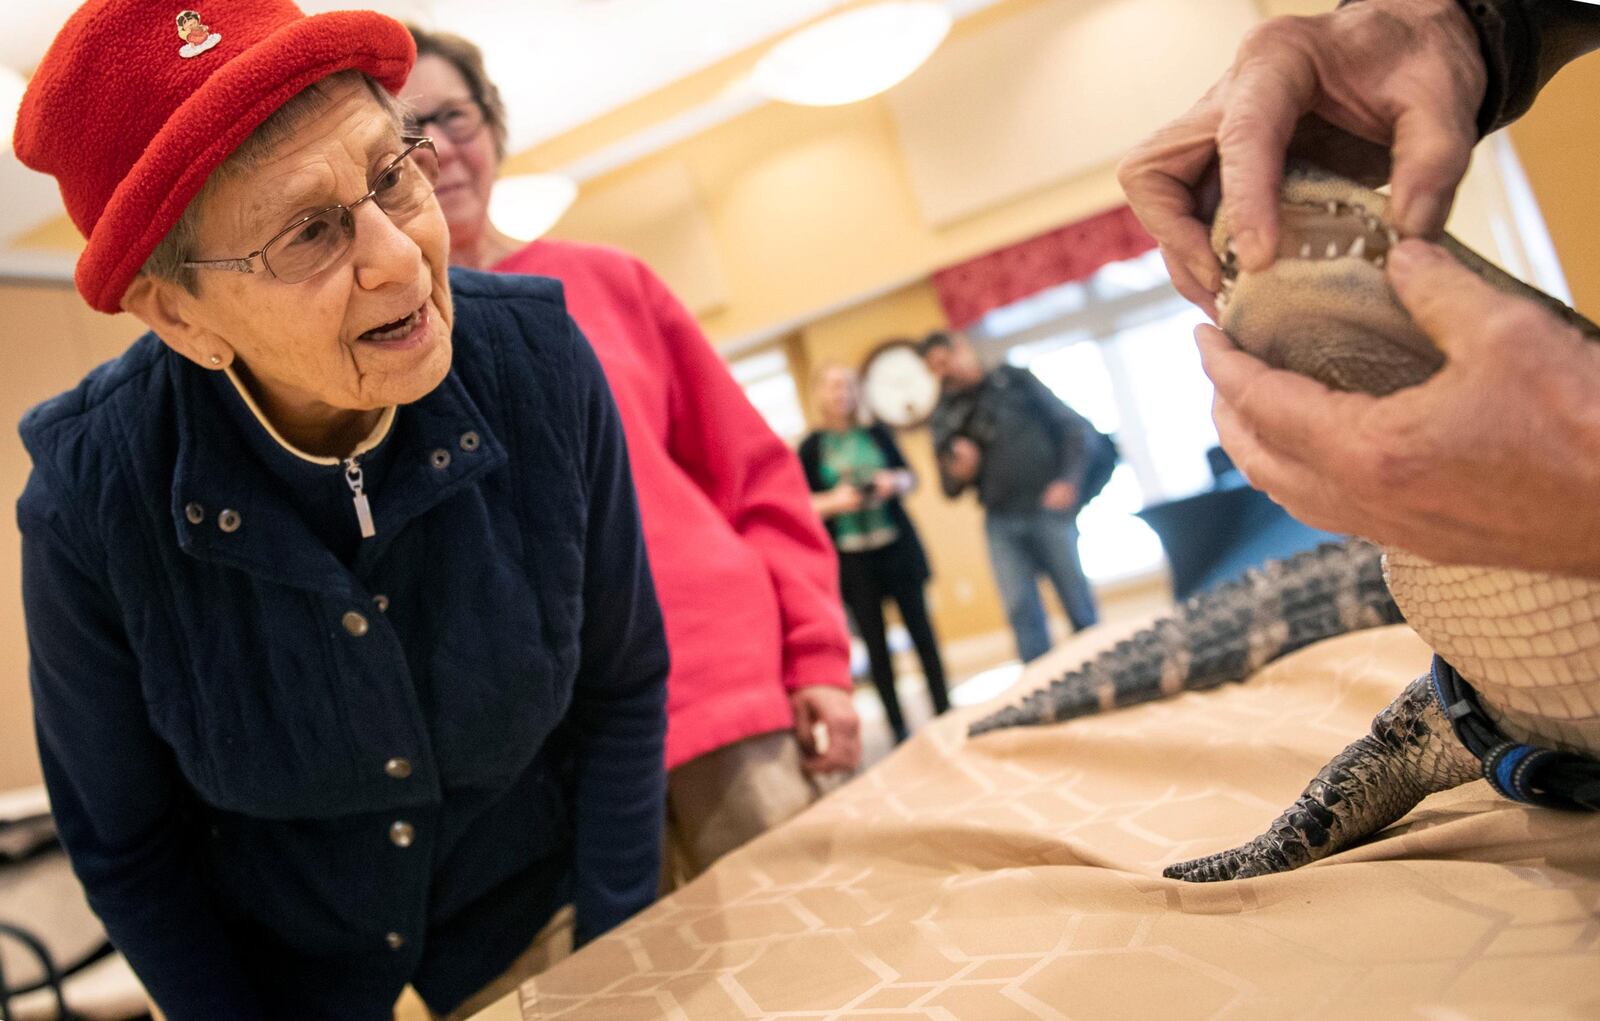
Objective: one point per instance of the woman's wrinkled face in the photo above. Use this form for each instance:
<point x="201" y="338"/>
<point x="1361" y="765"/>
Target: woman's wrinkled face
<point x="466" y="169"/>
<point x="836" y="393"/>
<point x="320" y="347"/>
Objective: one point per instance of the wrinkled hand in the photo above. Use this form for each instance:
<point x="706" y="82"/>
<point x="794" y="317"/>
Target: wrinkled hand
<point x="961" y="460"/>
<point x="1495" y="460"/>
<point x="1059" y="495"/>
<point x="1400" y="75"/>
<point x="836" y="710"/>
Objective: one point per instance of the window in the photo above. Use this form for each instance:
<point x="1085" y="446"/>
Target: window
<point x="1119" y="348"/>
<point x="769" y="384"/>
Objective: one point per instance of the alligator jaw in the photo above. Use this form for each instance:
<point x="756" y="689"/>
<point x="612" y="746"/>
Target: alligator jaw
<point x="1324" y="308"/>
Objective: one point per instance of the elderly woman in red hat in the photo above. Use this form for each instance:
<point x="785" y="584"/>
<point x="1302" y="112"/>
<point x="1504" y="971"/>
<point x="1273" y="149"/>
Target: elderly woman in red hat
<point x="758" y="700"/>
<point x="346" y="660"/>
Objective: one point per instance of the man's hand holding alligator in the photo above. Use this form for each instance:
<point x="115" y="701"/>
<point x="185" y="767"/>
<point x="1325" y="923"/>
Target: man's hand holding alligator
<point x="1405" y="76"/>
<point x="1392" y="468"/>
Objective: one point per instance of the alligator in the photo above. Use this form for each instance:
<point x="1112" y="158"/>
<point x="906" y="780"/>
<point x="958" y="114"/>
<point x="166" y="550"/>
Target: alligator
<point x="1513" y="695"/>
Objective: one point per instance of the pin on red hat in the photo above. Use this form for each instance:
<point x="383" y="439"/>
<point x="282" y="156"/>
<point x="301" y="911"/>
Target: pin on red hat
<point x="131" y="118"/>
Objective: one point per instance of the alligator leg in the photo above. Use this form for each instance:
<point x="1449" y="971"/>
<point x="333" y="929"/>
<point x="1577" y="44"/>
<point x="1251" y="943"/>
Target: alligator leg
<point x="1412" y="752"/>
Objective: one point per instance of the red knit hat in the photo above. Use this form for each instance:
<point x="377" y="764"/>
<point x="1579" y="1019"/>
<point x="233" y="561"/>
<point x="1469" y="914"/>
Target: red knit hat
<point x="137" y="102"/>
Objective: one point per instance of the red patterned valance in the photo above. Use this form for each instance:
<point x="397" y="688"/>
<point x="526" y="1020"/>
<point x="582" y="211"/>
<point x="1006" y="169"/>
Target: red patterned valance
<point x="969" y="290"/>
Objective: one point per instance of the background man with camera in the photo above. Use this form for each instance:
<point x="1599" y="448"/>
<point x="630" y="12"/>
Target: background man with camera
<point x="1036" y="462"/>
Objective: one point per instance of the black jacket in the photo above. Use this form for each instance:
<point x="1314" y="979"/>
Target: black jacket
<point x="291" y="786"/>
<point x="1027" y="438"/>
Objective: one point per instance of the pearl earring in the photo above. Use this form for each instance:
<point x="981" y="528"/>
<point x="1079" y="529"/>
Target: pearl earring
<point x="216" y="360"/>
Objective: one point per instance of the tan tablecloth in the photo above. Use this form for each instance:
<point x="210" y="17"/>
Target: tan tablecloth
<point x="1018" y="876"/>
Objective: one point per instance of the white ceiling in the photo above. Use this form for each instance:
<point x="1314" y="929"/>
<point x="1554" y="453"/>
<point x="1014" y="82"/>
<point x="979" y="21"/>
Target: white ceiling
<point x="558" y="63"/>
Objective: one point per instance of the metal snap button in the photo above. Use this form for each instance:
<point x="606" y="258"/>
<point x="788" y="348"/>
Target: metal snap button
<point x="440" y="459"/>
<point x="398" y="768"/>
<point x="195" y="512"/>
<point x="381" y="601"/>
<point x="402" y="833"/>
<point x="395" y="940"/>
<point x="356" y="624"/>
<point x="229" y="521"/>
<point x="470" y="441"/>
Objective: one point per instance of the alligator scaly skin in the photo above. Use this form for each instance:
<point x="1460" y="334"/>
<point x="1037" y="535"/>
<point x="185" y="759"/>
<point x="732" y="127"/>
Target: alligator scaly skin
<point x="1528" y="643"/>
<point x="1411" y="753"/>
<point x="1223" y="634"/>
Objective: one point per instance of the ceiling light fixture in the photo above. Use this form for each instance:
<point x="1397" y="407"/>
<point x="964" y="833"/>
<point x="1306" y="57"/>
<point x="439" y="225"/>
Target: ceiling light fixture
<point x="854" y="55"/>
<point x="525" y="206"/>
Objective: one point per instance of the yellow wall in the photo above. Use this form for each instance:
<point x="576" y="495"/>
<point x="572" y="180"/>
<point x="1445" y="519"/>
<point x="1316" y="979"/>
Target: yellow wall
<point x="811" y="208"/>
<point x="1559" y="144"/>
<point x="52" y="340"/>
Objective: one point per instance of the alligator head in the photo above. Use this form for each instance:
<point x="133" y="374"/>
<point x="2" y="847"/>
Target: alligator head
<point x="1324" y="308"/>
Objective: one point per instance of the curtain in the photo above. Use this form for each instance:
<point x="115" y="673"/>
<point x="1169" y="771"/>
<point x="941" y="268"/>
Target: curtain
<point x="969" y="290"/>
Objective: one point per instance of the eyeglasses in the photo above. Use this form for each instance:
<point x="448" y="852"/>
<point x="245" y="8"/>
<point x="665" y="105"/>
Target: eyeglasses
<point x="460" y="122"/>
<point x="312" y="243"/>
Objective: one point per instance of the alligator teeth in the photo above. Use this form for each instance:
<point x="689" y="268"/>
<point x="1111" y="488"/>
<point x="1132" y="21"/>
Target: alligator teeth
<point x="1333" y="208"/>
<point x="1305" y="250"/>
<point x="1378" y="262"/>
<point x="1394" y="237"/>
<point x="1333" y="249"/>
<point x="1358" y="247"/>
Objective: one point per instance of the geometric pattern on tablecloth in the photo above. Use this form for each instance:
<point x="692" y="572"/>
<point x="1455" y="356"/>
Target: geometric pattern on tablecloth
<point x="1018" y="876"/>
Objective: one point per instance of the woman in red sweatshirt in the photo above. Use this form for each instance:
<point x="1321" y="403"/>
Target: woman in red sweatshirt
<point x="758" y="699"/>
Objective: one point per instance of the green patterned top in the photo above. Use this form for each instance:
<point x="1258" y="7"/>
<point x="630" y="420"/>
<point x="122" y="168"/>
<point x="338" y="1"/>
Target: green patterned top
<point x="854" y="458"/>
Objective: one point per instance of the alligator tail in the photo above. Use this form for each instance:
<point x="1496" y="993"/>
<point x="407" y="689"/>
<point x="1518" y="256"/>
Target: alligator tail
<point x="1223" y="634"/>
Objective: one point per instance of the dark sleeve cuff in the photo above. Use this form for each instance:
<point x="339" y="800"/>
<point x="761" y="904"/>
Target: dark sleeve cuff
<point x="1510" y="48"/>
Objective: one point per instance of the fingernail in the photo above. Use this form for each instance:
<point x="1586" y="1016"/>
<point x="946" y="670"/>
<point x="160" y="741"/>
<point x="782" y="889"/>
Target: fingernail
<point x="1251" y="249"/>
<point x="1413" y="255"/>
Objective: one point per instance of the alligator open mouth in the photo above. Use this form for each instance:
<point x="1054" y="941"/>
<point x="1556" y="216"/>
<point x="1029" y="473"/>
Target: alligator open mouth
<point x="1324" y="307"/>
<point x="1320" y="232"/>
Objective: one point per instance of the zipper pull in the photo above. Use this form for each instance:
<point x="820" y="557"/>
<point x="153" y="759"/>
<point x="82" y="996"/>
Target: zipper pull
<point x="352" y="477"/>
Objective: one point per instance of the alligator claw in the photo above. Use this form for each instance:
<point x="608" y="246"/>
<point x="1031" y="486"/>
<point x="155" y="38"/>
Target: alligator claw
<point x="1241" y="862"/>
<point x="1411" y="753"/>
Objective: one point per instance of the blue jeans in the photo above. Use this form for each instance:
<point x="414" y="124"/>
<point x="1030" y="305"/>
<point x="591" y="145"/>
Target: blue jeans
<point x="1021" y="547"/>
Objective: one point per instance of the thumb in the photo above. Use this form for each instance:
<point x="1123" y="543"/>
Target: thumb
<point x="1448" y="301"/>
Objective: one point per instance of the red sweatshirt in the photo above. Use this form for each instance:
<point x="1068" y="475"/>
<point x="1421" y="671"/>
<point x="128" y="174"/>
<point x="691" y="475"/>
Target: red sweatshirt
<point x="745" y="573"/>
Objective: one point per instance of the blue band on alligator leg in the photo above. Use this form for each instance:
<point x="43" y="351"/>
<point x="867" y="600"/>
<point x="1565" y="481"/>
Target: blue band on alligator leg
<point x="1521" y="772"/>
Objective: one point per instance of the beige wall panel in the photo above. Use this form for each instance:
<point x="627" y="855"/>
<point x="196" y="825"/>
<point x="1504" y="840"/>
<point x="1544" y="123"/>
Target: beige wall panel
<point x="52" y="340"/>
<point x="657" y="215"/>
<point x="1053" y="92"/>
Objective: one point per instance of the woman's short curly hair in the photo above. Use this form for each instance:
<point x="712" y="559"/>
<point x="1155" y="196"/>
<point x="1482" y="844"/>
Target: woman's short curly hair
<point x="467" y="59"/>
